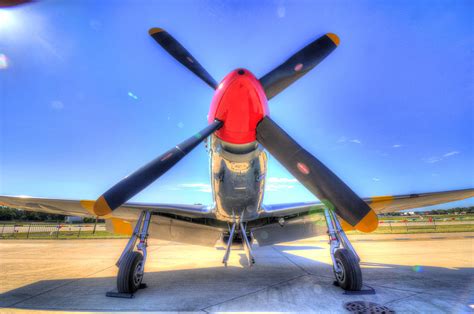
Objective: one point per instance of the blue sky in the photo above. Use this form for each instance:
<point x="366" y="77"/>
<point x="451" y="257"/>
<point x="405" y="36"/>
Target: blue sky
<point x="87" y="96"/>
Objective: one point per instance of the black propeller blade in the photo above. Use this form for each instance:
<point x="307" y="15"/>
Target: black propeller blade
<point x="316" y="177"/>
<point x="298" y="65"/>
<point x="140" y="179"/>
<point x="12" y="3"/>
<point x="175" y="49"/>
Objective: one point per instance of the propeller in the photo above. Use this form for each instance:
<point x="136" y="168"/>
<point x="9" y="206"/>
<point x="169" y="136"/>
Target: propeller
<point x="140" y="179"/>
<point x="298" y="65"/>
<point x="180" y="53"/>
<point x="12" y="3"/>
<point x="316" y="177"/>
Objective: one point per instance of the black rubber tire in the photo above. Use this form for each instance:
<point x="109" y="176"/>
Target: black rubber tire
<point x="127" y="279"/>
<point x="351" y="277"/>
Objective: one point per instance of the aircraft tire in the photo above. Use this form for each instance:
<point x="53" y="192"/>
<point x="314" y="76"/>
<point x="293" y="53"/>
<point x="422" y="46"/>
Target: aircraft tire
<point x="351" y="276"/>
<point x="128" y="279"/>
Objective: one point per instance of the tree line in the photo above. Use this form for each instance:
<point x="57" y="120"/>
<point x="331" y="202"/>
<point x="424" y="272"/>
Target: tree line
<point x="13" y="214"/>
<point x="451" y="211"/>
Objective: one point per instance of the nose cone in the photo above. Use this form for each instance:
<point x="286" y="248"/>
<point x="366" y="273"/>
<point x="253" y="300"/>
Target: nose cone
<point x="239" y="102"/>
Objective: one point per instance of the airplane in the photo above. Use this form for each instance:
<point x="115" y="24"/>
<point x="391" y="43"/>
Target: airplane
<point x="238" y="136"/>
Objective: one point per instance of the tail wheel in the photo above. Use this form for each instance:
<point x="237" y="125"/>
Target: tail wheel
<point x="129" y="277"/>
<point x="350" y="276"/>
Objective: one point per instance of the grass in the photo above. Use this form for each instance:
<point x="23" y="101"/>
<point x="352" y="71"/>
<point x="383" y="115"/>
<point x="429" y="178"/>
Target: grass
<point x="420" y="229"/>
<point x="64" y="235"/>
<point x="447" y="217"/>
<point x="383" y="228"/>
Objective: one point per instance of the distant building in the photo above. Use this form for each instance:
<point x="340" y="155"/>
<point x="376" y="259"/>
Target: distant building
<point x="73" y="219"/>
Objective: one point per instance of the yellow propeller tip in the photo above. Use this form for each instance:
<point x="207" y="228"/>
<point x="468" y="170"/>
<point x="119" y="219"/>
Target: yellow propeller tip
<point x="101" y="208"/>
<point x="369" y="223"/>
<point x="335" y="39"/>
<point x="155" y="30"/>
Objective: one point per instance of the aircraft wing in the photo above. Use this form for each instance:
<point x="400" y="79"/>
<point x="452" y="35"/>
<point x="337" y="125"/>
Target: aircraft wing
<point x="381" y="204"/>
<point x="129" y="211"/>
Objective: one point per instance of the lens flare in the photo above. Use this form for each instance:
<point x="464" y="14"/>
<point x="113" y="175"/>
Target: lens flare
<point x="7" y="19"/>
<point x="132" y="95"/>
<point x="417" y="269"/>
<point x="3" y="61"/>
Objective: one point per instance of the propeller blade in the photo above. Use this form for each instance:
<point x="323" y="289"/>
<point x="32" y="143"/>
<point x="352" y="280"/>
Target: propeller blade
<point x="298" y="65"/>
<point x="12" y="3"/>
<point x="175" y="49"/>
<point x="316" y="177"/>
<point x="140" y="179"/>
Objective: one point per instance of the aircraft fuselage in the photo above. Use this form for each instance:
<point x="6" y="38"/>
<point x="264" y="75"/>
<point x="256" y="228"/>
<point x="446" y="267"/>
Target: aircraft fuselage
<point x="238" y="162"/>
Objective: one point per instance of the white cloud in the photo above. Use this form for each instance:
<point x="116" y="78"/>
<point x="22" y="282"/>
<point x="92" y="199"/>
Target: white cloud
<point x="396" y="145"/>
<point x="376" y="179"/>
<point x="275" y="184"/>
<point x="278" y="187"/>
<point x="434" y="159"/>
<point x="342" y="139"/>
<point x="281" y="11"/>
<point x="275" y="179"/>
<point x="198" y="187"/>
<point x="455" y="152"/>
<point x="57" y="105"/>
<point x="194" y="185"/>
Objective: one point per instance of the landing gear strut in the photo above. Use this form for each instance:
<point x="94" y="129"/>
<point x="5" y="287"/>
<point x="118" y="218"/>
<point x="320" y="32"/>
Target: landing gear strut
<point x="344" y="258"/>
<point x="131" y="263"/>
<point x="246" y="243"/>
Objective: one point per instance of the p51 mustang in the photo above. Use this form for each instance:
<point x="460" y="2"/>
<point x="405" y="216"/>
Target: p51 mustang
<point x="238" y="131"/>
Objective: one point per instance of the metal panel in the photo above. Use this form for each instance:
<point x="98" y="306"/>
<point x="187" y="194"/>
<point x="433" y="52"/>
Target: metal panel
<point x="164" y="228"/>
<point x="291" y="230"/>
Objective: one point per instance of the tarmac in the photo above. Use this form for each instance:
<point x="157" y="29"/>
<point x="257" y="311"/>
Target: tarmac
<point x="433" y="274"/>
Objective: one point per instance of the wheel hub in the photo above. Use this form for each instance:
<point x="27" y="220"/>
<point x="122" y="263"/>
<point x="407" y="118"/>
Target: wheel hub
<point x="340" y="275"/>
<point x="137" y="275"/>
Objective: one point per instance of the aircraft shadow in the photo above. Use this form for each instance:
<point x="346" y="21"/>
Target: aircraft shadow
<point x="197" y="289"/>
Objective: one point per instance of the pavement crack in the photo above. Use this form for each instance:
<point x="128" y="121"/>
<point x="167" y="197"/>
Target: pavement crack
<point x="405" y="297"/>
<point x="292" y="262"/>
<point x="253" y="292"/>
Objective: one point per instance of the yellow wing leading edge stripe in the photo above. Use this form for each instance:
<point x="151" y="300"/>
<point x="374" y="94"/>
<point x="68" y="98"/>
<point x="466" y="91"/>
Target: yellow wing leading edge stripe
<point x="122" y="226"/>
<point x="378" y="202"/>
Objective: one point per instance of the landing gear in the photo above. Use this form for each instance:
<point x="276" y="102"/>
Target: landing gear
<point x="349" y="277"/>
<point x="130" y="277"/>
<point x="246" y="243"/>
<point x="344" y="258"/>
<point x="131" y="263"/>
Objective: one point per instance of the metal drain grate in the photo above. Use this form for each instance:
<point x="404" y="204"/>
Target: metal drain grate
<point x="363" y="307"/>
